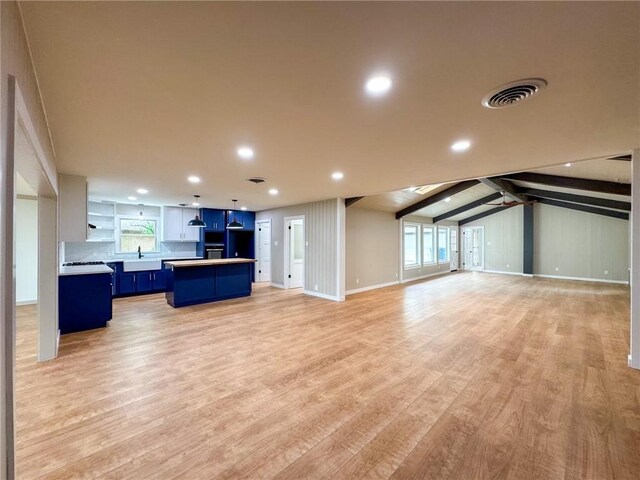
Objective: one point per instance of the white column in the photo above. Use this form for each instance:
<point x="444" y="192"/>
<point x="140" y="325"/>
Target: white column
<point x="340" y="250"/>
<point x="634" y="355"/>
<point x="47" y="279"/>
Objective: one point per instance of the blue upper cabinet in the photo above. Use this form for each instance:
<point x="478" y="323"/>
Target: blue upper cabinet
<point x="247" y="219"/>
<point x="214" y="218"/>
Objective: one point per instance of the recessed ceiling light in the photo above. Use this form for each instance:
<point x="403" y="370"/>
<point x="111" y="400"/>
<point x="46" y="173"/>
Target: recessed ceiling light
<point x="448" y="199"/>
<point x="461" y="145"/>
<point x="194" y="179"/>
<point x="337" y="175"/>
<point x="378" y="85"/>
<point x="245" y="152"/>
<point x="142" y="191"/>
<point x="132" y="198"/>
<point x="567" y="164"/>
<point x="243" y="208"/>
<point x="273" y="191"/>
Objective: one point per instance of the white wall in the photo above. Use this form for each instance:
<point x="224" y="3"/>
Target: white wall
<point x="26" y="228"/>
<point x="372" y="246"/>
<point x="323" y="255"/>
<point x="579" y="244"/>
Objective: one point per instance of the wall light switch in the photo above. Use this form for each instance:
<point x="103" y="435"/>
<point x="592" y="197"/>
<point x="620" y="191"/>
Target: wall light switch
<point x="306" y="244"/>
<point x="275" y="242"/>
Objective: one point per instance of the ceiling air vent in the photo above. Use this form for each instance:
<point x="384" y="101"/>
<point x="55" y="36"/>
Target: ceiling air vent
<point x="513" y="93"/>
<point x="256" y="180"/>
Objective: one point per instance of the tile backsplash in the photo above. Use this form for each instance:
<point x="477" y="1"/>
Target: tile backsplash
<point x="93" y="251"/>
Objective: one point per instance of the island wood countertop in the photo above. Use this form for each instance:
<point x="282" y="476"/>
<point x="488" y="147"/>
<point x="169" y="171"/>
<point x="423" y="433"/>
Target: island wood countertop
<point x="213" y="261"/>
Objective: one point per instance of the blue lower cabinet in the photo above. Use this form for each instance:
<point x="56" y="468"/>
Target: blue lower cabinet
<point x="84" y="302"/>
<point x="130" y="283"/>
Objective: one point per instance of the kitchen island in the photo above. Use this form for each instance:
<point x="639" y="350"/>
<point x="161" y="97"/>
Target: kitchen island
<point x="191" y="282"/>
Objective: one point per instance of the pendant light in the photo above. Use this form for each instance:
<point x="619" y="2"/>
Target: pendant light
<point x="234" y="224"/>
<point x="196" y="222"/>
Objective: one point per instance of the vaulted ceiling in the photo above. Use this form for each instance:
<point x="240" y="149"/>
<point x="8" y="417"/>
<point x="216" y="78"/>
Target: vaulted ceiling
<point x="143" y="94"/>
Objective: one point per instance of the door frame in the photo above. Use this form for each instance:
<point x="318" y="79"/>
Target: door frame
<point x="456" y="229"/>
<point x="287" y="248"/>
<point x="464" y="245"/>
<point x="257" y="245"/>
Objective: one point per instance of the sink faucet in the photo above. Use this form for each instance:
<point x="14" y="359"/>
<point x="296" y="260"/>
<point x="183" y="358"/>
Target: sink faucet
<point x="140" y="255"/>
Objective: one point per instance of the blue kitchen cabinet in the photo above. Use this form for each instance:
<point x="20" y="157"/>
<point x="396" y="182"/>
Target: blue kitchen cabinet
<point x="144" y="282"/>
<point x="126" y="283"/>
<point x="84" y="302"/>
<point x="141" y="282"/>
<point x="247" y="219"/>
<point x="159" y="281"/>
<point x="214" y="218"/>
<point x="115" y="284"/>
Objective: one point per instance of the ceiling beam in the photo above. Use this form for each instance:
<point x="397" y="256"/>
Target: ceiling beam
<point x="569" y="197"/>
<point x="624" y="158"/>
<point x="572" y="182"/>
<point x="584" y="208"/>
<point x="473" y="218"/>
<point x="438" y="197"/>
<point x="502" y="185"/>
<point x="351" y="200"/>
<point x="468" y="206"/>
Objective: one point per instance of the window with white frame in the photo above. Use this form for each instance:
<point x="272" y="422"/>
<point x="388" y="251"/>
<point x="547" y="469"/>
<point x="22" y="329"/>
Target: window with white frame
<point x="443" y="244"/>
<point x="134" y="232"/>
<point x="428" y="245"/>
<point x="411" y="244"/>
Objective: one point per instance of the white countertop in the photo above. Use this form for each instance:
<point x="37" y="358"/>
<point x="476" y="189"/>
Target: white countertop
<point x="84" y="270"/>
<point x="147" y="257"/>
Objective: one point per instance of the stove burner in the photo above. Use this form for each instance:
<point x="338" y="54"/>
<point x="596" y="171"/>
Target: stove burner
<point x="80" y="264"/>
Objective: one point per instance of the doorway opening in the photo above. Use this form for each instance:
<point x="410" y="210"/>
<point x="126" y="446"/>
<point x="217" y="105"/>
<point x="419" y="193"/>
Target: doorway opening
<point x="263" y="251"/>
<point x="473" y="238"/>
<point x="294" y="247"/>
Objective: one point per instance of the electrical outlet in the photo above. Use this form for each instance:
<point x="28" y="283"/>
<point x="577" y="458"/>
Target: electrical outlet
<point x="606" y="272"/>
<point x="357" y="281"/>
<point x="306" y="244"/>
<point x="275" y="242"/>
<point x="315" y="287"/>
<point x="557" y="269"/>
<point x="396" y="275"/>
<point x="507" y="265"/>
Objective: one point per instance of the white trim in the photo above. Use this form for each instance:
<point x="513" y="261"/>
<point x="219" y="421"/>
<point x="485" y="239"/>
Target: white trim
<point x="323" y="295"/>
<point x="503" y="272"/>
<point x="341" y="227"/>
<point x="422" y="277"/>
<point x="583" y="279"/>
<point x="372" y="287"/>
<point x="464" y="251"/>
<point x="257" y="241"/>
<point x="22" y="303"/>
<point x="277" y="285"/>
<point x="634" y="228"/>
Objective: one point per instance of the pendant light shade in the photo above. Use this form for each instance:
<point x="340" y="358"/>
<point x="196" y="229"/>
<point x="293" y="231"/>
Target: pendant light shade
<point x="234" y="224"/>
<point x="196" y="222"/>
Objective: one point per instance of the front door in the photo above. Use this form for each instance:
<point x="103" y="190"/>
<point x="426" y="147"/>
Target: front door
<point x="264" y="252"/>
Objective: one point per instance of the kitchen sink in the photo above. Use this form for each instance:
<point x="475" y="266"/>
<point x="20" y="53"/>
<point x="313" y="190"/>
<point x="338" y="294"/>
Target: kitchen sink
<point x="142" y="264"/>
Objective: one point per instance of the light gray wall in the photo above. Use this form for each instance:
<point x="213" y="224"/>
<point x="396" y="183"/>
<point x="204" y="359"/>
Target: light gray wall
<point x="415" y="273"/>
<point x="321" y="255"/>
<point x="15" y="60"/>
<point x="578" y="244"/>
<point x="503" y="234"/>
<point x="26" y="251"/>
<point x="372" y="246"/>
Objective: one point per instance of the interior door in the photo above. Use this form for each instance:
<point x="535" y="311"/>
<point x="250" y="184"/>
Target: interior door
<point x="264" y="252"/>
<point x="296" y="253"/>
<point x="453" y="239"/>
<point x="473" y="248"/>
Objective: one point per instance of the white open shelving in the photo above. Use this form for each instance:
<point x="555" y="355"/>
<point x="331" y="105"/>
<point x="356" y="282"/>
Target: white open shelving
<point x="103" y="216"/>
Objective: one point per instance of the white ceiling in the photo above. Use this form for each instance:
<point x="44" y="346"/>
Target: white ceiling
<point x="146" y="93"/>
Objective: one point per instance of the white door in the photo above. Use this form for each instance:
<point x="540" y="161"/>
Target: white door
<point x="295" y="230"/>
<point x="453" y="240"/>
<point x="172" y="224"/>
<point x="190" y="234"/>
<point x="263" y="247"/>
<point x="473" y="248"/>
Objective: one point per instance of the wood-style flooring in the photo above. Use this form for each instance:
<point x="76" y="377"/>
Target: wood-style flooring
<point x="464" y="376"/>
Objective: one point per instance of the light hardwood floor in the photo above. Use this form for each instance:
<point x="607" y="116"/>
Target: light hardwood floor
<point x="464" y="376"/>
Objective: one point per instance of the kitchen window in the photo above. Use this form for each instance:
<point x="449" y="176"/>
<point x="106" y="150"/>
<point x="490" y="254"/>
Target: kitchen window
<point x="428" y="245"/>
<point x="137" y="232"/>
<point x="443" y="244"/>
<point x="411" y="245"/>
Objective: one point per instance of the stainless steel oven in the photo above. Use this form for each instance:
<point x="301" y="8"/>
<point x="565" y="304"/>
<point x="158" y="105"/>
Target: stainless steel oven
<point x="213" y="252"/>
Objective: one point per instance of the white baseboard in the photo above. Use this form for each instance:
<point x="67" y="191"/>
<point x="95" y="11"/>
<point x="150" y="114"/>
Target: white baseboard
<point x="26" y="302"/>
<point x="372" y="287"/>
<point x="633" y="364"/>
<point x="335" y="298"/>
<point x="277" y="285"/>
<point x="583" y="279"/>
<point x="422" y="277"/>
<point x="504" y="272"/>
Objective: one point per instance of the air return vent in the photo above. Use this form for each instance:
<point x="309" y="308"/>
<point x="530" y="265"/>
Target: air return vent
<point x="256" y="180"/>
<point x="513" y="93"/>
